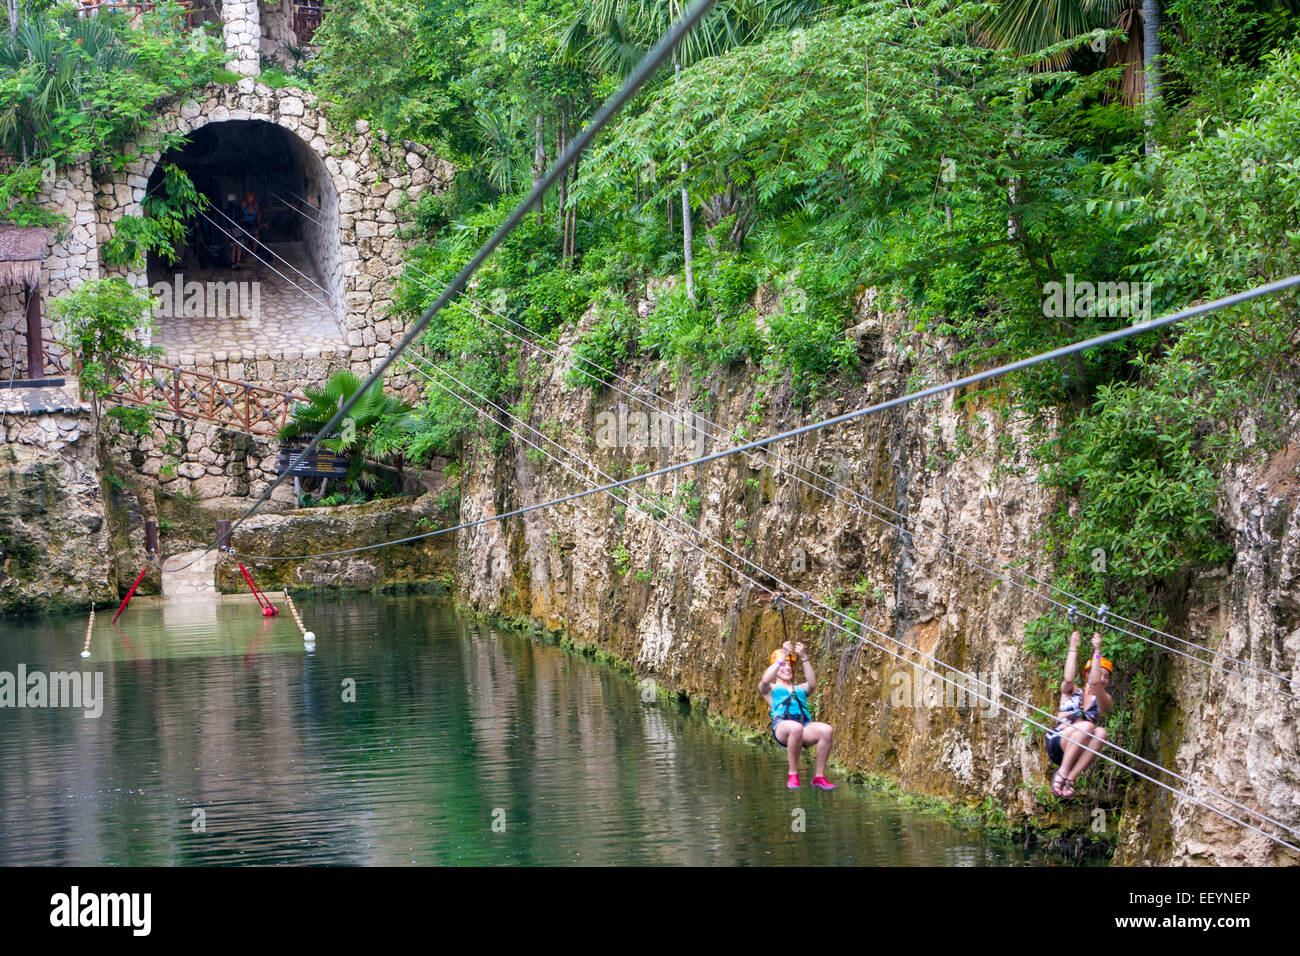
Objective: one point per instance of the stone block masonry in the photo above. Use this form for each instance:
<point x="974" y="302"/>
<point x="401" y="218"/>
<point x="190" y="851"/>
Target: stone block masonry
<point x="203" y="460"/>
<point x="361" y="184"/>
<point x="241" y="27"/>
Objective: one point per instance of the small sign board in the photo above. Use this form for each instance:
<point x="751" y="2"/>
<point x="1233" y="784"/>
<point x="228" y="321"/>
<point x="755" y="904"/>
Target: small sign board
<point x="319" y="464"/>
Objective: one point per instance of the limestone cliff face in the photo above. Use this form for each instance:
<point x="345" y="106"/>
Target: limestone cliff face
<point x="957" y="467"/>
<point x="55" y="546"/>
<point x="322" y="530"/>
<point x="1235" y="736"/>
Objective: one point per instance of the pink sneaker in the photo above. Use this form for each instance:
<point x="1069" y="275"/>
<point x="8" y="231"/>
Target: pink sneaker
<point x="792" y="782"/>
<point x="821" y="783"/>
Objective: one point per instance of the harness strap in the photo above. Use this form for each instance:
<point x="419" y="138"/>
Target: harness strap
<point x="785" y="707"/>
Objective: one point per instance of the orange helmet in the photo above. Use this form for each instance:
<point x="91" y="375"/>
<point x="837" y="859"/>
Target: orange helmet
<point x="777" y="656"/>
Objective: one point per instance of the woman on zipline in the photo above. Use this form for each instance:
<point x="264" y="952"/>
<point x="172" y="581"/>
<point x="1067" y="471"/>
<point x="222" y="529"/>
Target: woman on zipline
<point x="1077" y="739"/>
<point x="792" y="726"/>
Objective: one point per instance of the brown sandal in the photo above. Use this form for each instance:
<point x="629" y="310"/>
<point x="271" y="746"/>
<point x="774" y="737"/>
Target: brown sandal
<point x="1055" y="788"/>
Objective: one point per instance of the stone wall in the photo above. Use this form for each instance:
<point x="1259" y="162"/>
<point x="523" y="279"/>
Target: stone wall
<point x="320" y="226"/>
<point x="290" y="369"/>
<point x="203" y="460"/>
<point x="243" y="33"/>
<point x="277" y="30"/>
<point x="362" y="183"/>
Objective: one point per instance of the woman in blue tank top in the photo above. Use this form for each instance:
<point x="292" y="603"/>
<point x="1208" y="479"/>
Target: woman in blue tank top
<point x="787" y="703"/>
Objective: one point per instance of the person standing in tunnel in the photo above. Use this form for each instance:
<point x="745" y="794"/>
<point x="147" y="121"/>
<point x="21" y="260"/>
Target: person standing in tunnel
<point x="250" y="223"/>
<point x="231" y="211"/>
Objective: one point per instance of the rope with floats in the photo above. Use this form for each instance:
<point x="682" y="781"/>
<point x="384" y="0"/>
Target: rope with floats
<point x="308" y="638"/>
<point x="90" y="626"/>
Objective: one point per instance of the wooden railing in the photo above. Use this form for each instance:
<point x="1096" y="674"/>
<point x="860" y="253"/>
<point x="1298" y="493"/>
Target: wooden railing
<point x="242" y="406"/>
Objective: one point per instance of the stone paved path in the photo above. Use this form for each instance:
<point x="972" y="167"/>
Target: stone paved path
<point x="264" y="319"/>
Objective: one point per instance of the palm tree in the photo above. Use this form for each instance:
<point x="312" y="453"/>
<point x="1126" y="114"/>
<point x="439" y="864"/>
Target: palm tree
<point x="374" y="423"/>
<point x="1027" y="26"/>
<point x="497" y="134"/>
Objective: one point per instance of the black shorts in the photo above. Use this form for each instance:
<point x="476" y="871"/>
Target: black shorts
<point x="803" y="721"/>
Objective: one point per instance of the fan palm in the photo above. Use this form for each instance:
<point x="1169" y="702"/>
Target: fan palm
<point x="1027" y="26"/>
<point x="372" y="424"/>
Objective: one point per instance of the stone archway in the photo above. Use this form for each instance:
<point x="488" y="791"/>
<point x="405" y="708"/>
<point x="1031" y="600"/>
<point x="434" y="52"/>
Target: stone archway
<point x="277" y="291"/>
<point x="367" y="185"/>
<point x="290" y="182"/>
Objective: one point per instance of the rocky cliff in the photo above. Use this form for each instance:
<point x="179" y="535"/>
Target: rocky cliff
<point x="1232" y="735"/>
<point x="958" y="468"/>
<point x="55" y="547"/>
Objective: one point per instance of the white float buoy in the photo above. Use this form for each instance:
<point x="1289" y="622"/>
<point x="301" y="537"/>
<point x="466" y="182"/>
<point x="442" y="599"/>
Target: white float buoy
<point x="309" y="638"/>
<point x="85" y="653"/>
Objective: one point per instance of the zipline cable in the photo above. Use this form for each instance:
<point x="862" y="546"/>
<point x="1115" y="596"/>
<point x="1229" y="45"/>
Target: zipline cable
<point x="574" y="363"/>
<point x="968" y="677"/>
<point x="1101" y="621"/>
<point x="264" y="262"/>
<point x="290" y="205"/>
<point x="902" y="400"/>
<point x="757" y="568"/>
<point x="1059" y="353"/>
<point x="1075" y="599"/>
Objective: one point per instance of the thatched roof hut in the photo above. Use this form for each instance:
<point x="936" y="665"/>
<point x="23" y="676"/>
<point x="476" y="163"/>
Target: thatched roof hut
<point x="21" y="250"/>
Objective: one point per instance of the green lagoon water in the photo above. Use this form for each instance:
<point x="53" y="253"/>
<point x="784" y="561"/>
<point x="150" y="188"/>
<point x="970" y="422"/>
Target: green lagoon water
<point x="464" y="745"/>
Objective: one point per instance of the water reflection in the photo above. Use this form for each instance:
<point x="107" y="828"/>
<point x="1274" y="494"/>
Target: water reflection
<point x="457" y="744"/>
